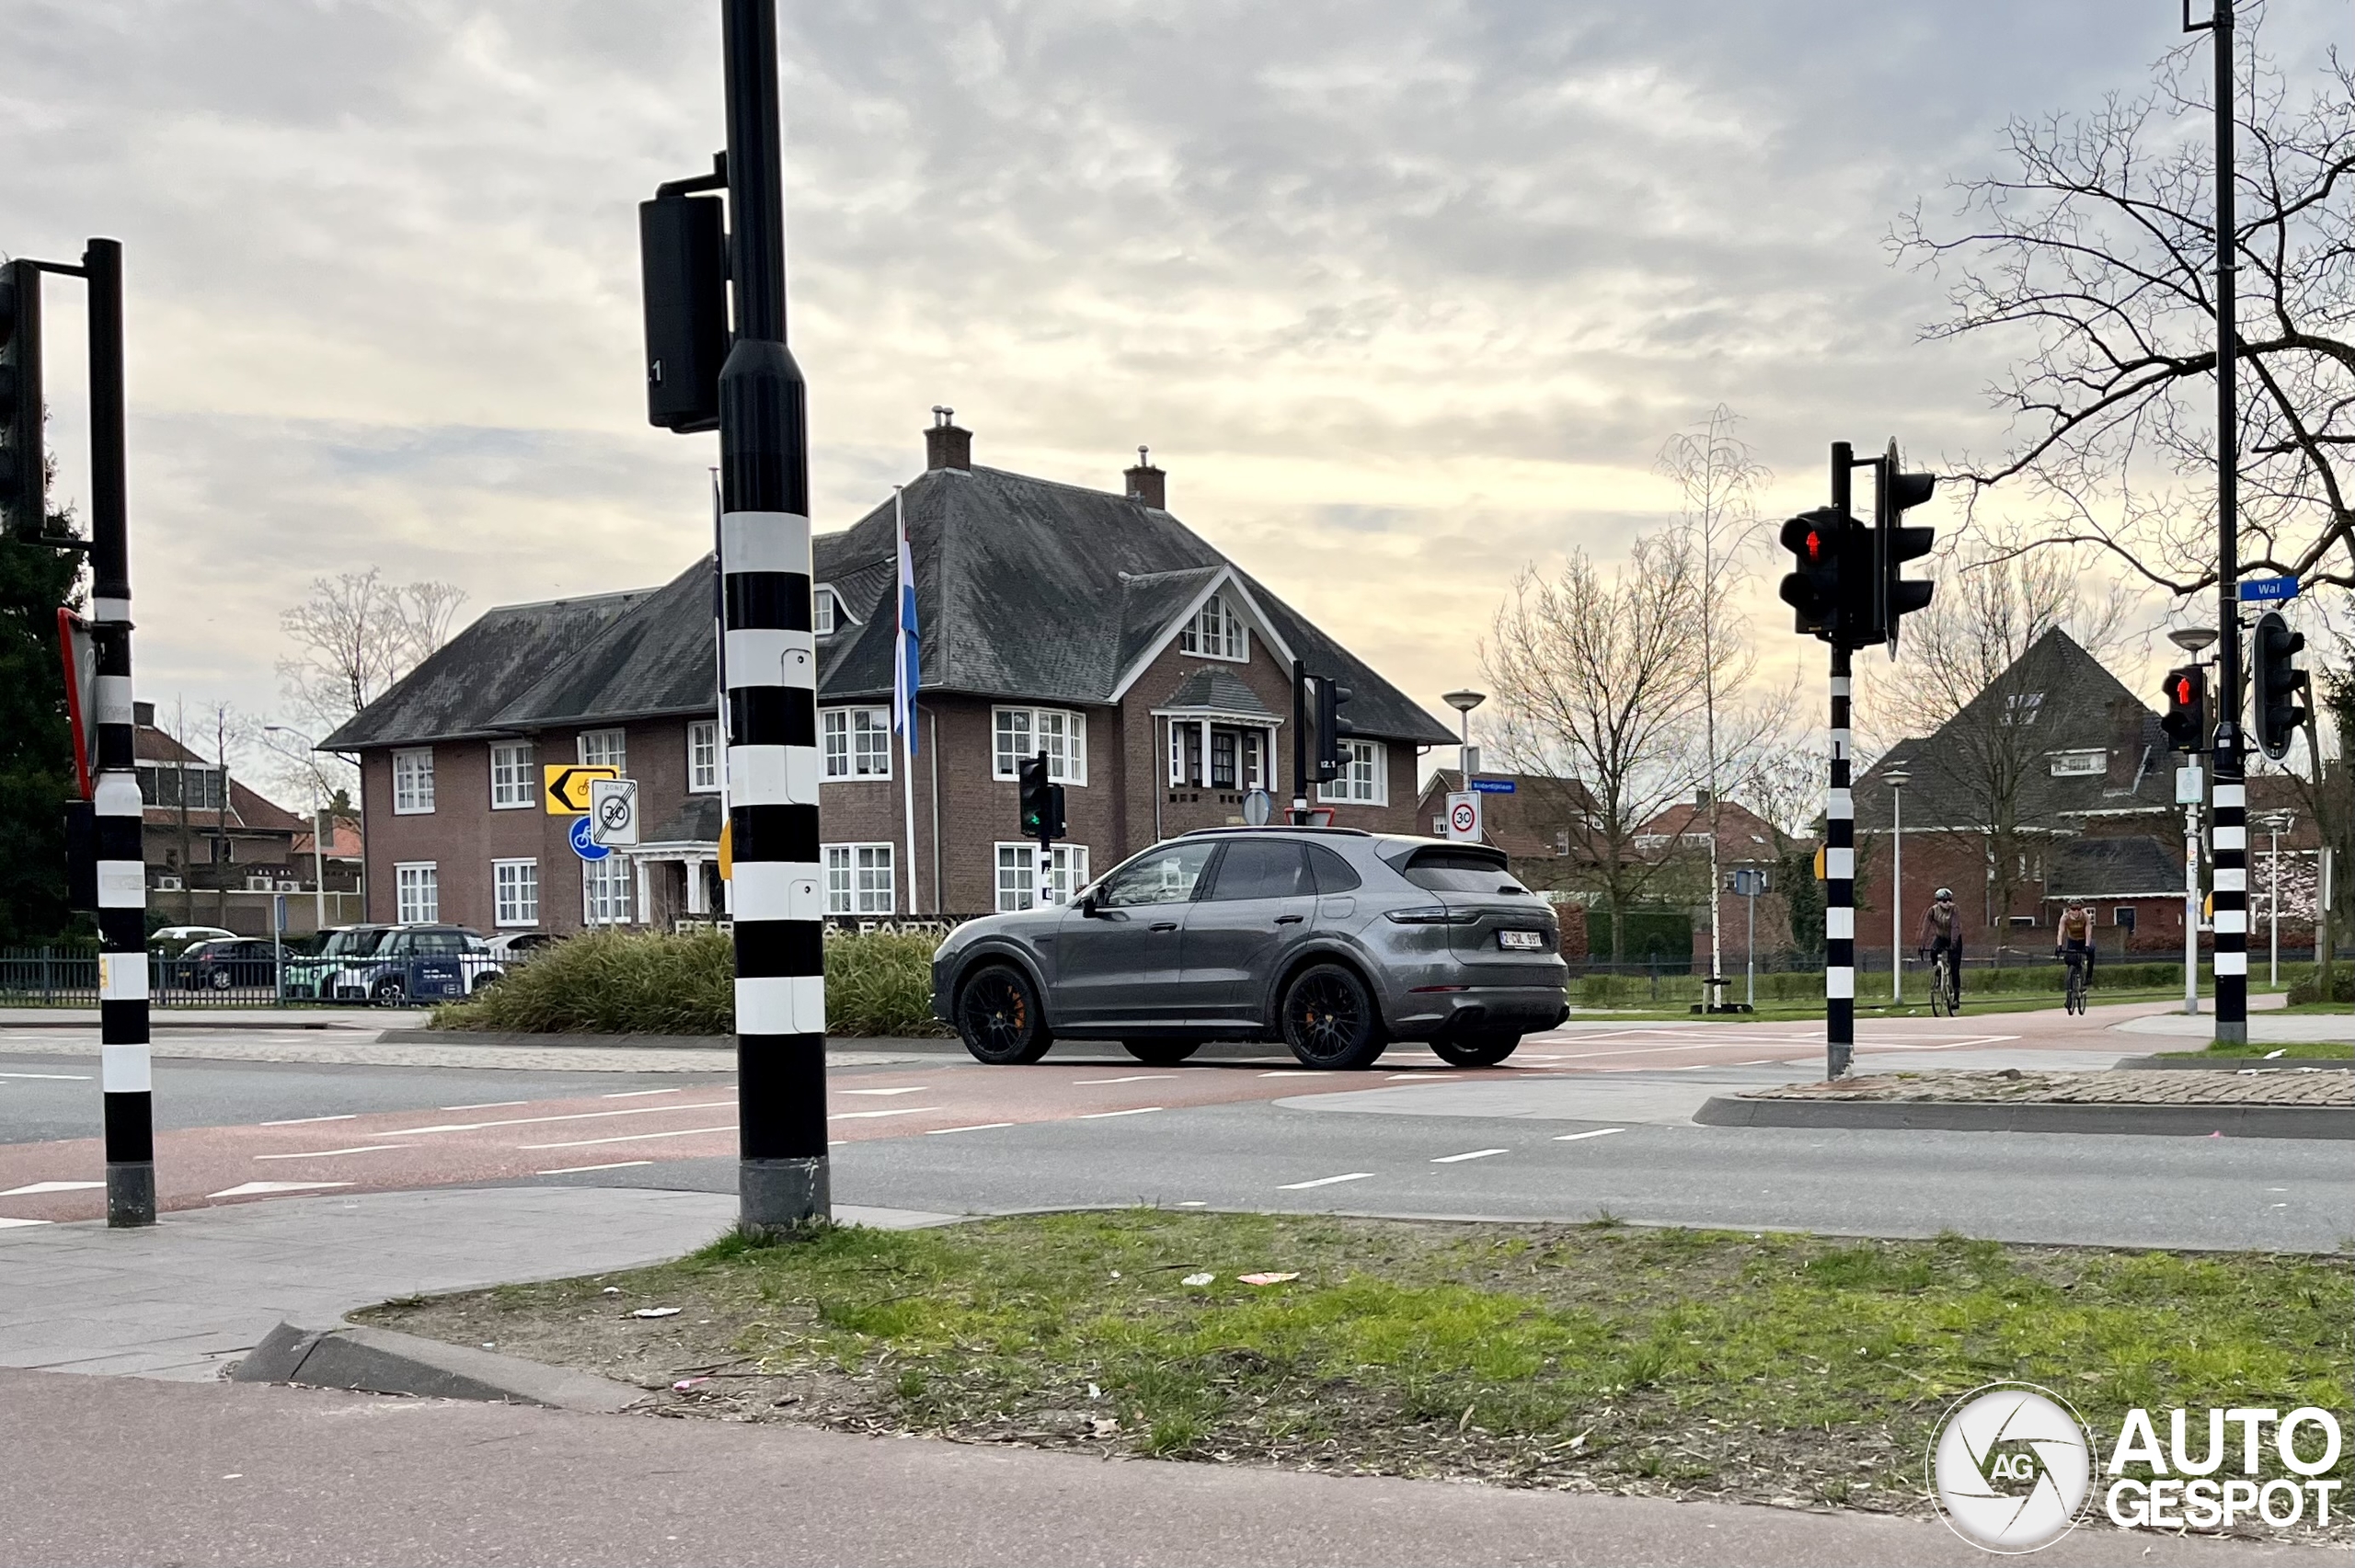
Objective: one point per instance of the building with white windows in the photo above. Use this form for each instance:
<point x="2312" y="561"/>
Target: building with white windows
<point x="1153" y="672"/>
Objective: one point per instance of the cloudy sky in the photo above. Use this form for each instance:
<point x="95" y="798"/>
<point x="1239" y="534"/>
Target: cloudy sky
<point x="1405" y="294"/>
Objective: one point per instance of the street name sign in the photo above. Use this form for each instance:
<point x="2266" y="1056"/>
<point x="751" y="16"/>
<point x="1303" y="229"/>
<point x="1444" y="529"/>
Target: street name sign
<point x="1493" y="787"/>
<point x="2258" y="589"/>
<point x="565" y="786"/>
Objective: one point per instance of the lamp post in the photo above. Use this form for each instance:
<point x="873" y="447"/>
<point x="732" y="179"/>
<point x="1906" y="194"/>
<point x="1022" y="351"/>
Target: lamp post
<point x="319" y="818"/>
<point x="2276" y="824"/>
<point x="1464" y="701"/>
<point x="1897" y="779"/>
<point x="2193" y="640"/>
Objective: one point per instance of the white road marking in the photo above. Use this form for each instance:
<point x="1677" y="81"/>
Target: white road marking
<point x="1194" y="1202"/>
<point x="7" y="1223"/>
<point x="1597" y="1132"/>
<point x="1294" y="1072"/>
<point x="636" y="1094"/>
<point x="300" y="1121"/>
<point x="1476" y="1154"/>
<point x="325" y="1154"/>
<point x="247" y="1189"/>
<point x="66" y="1077"/>
<point x="895" y="1111"/>
<point x="1324" y="1182"/>
<point x="569" y="1116"/>
<point x="575" y="1170"/>
<point x="87" y="1186"/>
<point x="1426" y="1077"/>
<point x="916" y="1089"/>
<point x="977" y="1126"/>
<point x="1131" y="1111"/>
<point x="630" y="1137"/>
<point x="1133" y="1078"/>
<point x="486" y="1106"/>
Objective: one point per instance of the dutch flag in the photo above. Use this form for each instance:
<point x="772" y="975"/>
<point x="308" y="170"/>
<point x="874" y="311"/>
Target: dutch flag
<point x="903" y="663"/>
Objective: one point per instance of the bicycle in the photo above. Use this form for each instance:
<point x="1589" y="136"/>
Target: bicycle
<point x="2073" y="1001"/>
<point x="1946" y="992"/>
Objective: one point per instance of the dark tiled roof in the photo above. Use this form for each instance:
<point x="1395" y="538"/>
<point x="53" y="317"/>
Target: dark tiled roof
<point x="1214" y="691"/>
<point x="696" y="821"/>
<point x="459" y="691"/>
<point x="2105" y="868"/>
<point x="655" y="658"/>
<point x="2078" y="706"/>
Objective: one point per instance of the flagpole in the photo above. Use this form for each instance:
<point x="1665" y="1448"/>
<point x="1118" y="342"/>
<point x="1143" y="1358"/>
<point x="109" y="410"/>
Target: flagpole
<point x="903" y="703"/>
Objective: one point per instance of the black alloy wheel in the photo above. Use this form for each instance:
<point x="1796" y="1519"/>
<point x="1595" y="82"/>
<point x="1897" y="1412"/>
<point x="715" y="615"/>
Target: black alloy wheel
<point x="1330" y="1020"/>
<point x="221" y="979"/>
<point x="1475" y="1050"/>
<point x="1161" y="1053"/>
<point x="999" y="1019"/>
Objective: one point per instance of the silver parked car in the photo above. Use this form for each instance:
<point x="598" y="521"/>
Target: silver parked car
<point x="1333" y="939"/>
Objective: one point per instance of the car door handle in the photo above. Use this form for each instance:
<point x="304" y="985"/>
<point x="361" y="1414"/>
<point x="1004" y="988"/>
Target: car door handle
<point x="1162" y="925"/>
<point x="1288" y="920"/>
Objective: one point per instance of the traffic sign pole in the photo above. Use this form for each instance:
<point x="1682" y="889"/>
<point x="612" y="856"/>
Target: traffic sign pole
<point x="1839" y="887"/>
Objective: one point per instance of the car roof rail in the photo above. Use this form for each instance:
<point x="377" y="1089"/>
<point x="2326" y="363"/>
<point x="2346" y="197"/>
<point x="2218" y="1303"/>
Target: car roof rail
<point x="1277" y="827"/>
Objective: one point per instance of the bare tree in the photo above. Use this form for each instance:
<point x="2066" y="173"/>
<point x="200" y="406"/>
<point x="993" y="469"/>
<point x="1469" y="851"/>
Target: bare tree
<point x="2093" y="247"/>
<point x="356" y="634"/>
<point x="1601" y="683"/>
<point x="1716" y="477"/>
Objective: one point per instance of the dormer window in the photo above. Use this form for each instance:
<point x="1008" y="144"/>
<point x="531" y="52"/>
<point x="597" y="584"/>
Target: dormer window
<point x="821" y="611"/>
<point x="2079" y="764"/>
<point x="1216" y="632"/>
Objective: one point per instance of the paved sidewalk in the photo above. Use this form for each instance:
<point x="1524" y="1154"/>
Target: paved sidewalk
<point x="2116" y="1087"/>
<point x="203" y="1287"/>
<point x="161" y="1017"/>
<point x="105" y="1470"/>
<point x="2290" y="1029"/>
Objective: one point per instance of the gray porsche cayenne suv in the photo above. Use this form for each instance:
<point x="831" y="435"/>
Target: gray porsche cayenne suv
<point x="1335" y="941"/>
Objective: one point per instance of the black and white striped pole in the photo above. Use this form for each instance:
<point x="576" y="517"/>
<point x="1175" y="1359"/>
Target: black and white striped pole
<point x="123" y="1071"/>
<point x="771" y="660"/>
<point x="1839" y="885"/>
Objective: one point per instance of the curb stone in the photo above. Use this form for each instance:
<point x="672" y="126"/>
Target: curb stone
<point x="382" y="1361"/>
<point x="1952" y="1115"/>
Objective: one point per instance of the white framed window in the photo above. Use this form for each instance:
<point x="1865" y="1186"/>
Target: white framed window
<point x="1365" y="775"/>
<point x="1216" y="632"/>
<point x="1018" y="875"/>
<point x="858" y="879"/>
<point x="2080" y="764"/>
<point x="2020" y="708"/>
<point x="821" y="611"/>
<point x="1025" y="732"/>
<point x="604" y="891"/>
<point x="515" y="892"/>
<point x="511" y="785"/>
<point x="605" y="749"/>
<point x="855" y="742"/>
<point x="703" y="756"/>
<point x="417" y="891"/>
<point x="413" y="782"/>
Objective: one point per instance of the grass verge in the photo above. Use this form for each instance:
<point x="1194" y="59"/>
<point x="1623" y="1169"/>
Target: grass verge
<point x="2258" y="1050"/>
<point x="1772" y="1369"/>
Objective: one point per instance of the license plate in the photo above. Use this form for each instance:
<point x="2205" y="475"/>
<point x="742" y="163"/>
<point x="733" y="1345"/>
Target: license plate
<point x="1528" y="940"/>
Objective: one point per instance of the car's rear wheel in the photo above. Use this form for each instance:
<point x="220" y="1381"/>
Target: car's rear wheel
<point x="1161" y="1053"/>
<point x="221" y="980"/>
<point x="1329" y="1019"/>
<point x="1475" y="1050"/>
<point x="389" y="993"/>
<point x="999" y="1018"/>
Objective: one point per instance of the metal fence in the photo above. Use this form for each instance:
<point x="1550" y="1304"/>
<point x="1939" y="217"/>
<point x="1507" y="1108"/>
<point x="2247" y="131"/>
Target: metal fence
<point x="66" y="977"/>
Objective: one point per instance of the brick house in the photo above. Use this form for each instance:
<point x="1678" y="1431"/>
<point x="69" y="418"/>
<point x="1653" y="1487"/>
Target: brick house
<point x="1746" y="842"/>
<point x="1154" y="673"/>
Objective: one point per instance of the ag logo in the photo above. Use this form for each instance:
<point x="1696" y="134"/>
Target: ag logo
<point x="2011" y="1467"/>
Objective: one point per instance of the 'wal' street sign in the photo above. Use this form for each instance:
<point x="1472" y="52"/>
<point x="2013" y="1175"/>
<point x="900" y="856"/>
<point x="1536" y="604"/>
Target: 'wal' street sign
<point x="1493" y="787"/>
<point x="2262" y="588"/>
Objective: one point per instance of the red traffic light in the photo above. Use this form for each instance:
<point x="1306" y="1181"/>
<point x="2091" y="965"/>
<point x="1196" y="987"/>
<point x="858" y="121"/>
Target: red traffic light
<point x="2184" y="690"/>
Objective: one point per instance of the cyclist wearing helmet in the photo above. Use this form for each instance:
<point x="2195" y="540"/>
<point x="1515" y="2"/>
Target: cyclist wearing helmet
<point x="1941" y="932"/>
<point x="2075" y="938"/>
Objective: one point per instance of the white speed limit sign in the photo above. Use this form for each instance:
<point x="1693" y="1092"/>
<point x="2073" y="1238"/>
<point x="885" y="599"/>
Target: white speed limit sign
<point x="613" y="811"/>
<point x="1463" y="817"/>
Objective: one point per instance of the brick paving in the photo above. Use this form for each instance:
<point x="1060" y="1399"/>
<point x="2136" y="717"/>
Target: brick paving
<point x="2114" y="1087"/>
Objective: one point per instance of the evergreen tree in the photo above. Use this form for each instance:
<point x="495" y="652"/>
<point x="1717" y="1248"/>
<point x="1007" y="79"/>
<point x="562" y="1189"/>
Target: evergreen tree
<point x="35" y="738"/>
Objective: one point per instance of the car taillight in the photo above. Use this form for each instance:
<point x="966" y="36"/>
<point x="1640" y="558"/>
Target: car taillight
<point x="1432" y="914"/>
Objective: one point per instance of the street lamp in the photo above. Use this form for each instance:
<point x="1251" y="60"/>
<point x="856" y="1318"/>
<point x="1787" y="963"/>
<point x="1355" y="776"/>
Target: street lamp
<point x="2276" y="824"/>
<point x="1898" y="778"/>
<point x="2192" y="640"/>
<point x="319" y="818"/>
<point x="1464" y="701"/>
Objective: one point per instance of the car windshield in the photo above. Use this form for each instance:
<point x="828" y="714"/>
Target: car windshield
<point x="354" y="942"/>
<point x="1457" y="871"/>
<point x="438" y="941"/>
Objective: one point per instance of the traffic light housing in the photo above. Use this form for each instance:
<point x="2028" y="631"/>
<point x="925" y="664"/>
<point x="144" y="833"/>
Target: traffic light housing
<point x="1043" y="800"/>
<point x="1894" y="597"/>
<point x="683" y="252"/>
<point x="1829" y="586"/>
<point x="2275" y="685"/>
<point x="24" y="487"/>
<point x="1331" y="728"/>
<point x="2186" y="721"/>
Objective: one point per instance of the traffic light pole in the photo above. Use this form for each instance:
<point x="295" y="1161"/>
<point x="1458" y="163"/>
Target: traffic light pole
<point x="1300" y="745"/>
<point x="1839" y="887"/>
<point x="124" y="1070"/>
<point x="771" y="660"/>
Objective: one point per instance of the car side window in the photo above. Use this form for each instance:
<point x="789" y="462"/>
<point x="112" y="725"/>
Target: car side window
<point x="1260" y="868"/>
<point x="1333" y="874"/>
<point x="1164" y="876"/>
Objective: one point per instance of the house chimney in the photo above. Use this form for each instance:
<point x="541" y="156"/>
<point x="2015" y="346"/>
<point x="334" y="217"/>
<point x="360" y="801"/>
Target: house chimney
<point x="143" y="715"/>
<point x="1147" y="486"/>
<point x="945" y="445"/>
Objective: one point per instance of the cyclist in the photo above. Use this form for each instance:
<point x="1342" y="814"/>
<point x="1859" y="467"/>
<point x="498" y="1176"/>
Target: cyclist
<point x="1941" y="932"/>
<point x="2074" y="939"/>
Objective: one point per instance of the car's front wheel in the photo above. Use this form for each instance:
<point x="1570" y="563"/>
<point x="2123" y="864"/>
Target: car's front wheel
<point x="389" y="993"/>
<point x="221" y="980"/>
<point x="1330" y="1020"/>
<point x="1161" y="1053"/>
<point x="999" y="1018"/>
<point x="1475" y="1050"/>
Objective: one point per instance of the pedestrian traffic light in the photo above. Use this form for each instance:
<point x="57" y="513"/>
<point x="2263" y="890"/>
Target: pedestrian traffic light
<point x="2187" y="717"/>
<point x="23" y="461"/>
<point x="1894" y="544"/>
<point x="682" y="252"/>
<point x="1830" y="587"/>
<point x="2278" y="685"/>
<point x="1043" y="801"/>
<point x="1331" y="728"/>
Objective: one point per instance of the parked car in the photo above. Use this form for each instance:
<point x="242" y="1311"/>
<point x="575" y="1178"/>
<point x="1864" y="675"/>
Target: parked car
<point x="241" y="962"/>
<point x="419" y="963"/>
<point x="187" y="933"/>
<point x="1333" y="939"/>
<point x="511" y="946"/>
<point x="314" y="974"/>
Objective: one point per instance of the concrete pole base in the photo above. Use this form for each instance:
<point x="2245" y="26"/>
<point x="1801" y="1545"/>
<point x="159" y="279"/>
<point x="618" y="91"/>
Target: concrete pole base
<point x="2231" y="1034"/>
<point x="777" y="1195"/>
<point x="131" y="1193"/>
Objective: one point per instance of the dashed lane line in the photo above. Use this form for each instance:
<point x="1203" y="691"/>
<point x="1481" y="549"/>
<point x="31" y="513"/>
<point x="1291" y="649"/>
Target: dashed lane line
<point x="577" y="1169"/>
<point x="484" y="1105"/>
<point x="977" y="1126"/>
<point x="911" y="1089"/>
<point x="63" y="1077"/>
<point x="868" y="1115"/>
<point x="638" y="1093"/>
<point x="36" y="1188"/>
<point x="629" y="1137"/>
<point x="569" y="1116"/>
<point x="1131" y="1111"/>
<point x="1133" y="1078"/>
<point x="303" y="1121"/>
<point x="254" y="1189"/>
<point x="1324" y="1182"/>
<point x="1596" y="1132"/>
<point x="1475" y="1154"/>
<point x="330" y="1153"/>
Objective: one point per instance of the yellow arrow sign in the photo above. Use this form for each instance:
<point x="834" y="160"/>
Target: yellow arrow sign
<point x="727" y="851"/>
<point x="1819" y="865"/>
<point x="564" y="787"/>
